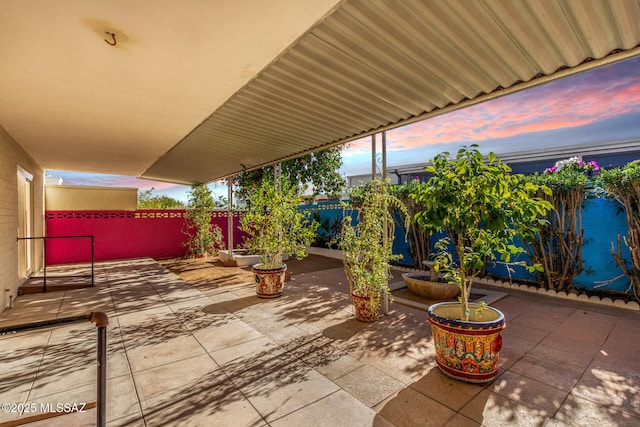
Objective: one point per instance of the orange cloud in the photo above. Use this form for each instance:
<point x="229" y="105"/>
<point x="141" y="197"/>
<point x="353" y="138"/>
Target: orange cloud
<point x="561" y="104"/>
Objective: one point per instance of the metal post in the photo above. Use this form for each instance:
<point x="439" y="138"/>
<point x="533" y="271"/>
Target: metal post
<point x="10" y="330"/>
<point x="44" y="248"/>
<point x="101" y="320"/>
<point x="93" y="282"/>
<point x="373" y="157"/>
<point x="230" y="218"/>
<point x="277" y="173"/>
<point x="385" y="236"/>
<point x="384" y="155"/>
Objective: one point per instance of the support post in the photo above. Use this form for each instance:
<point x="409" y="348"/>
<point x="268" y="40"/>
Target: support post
<point x="93" y="281"/>
<point x="373" y="157"/>
<point x="385" y="236"/>
<point x="230" y="218"/>
<point x="101" y="320"/>
<point x="44" y="266"/>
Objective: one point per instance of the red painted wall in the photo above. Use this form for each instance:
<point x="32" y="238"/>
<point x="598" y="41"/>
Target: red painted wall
<point x="123" y="234"/>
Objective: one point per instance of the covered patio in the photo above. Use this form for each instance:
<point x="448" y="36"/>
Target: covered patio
<point x="202" y="92"/>
<point x="220" y="356"/>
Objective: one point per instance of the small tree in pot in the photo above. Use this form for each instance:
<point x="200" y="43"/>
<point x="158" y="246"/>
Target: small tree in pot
<point x="276" y="227"/>
<point x="367" y="243"/>
<point x="482" y="207"/>
<point x="203" y="238"/>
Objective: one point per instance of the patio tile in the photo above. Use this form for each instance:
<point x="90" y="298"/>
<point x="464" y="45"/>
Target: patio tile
<point x="553" y="373"/>
<point x="525" y="332"/>
<point x="32" y="308"/>
<point x="461" y="421"/>
<point x="369" y="385"/>
<point x="492" y="410"/>
<point x="579" y="412"/>
<point x="303" y="359"/>
<point x="241" y="357"/>
<point x="544" y="322"/>
<point x="20" y="358"/>
<point x="400" y="366"/>
<point x="588" y="325"/>
<point x="202" y="313"/>
<point x="122" y="400"/>
<point x="84" y="301"/>
<point x="60" y="373"/>
<point x="278" y="393"/>
<point x="509" y="356"/>
<point x="572" y="344"/>
<point x="449" y="392"/>
<point x="318" y="352"/>
<point x="543" y="398"/>
<point x="214" y="338"/>
<point x="408" y="408"/>
<point x="622" y="342"/>
<point x="249" y="309"/>
<point x="214" y="406"/>
<point x="574" y="361"/>
<point x="153" y="354"/>
<point x="175" y="379"/>
<point x="150" y="326"/>
<point x="336" y="409"/>
<point x="614" y="385"/>
<point x="279" y="330"/>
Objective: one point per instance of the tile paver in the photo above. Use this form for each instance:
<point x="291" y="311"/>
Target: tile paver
<point x="179" y="356"/>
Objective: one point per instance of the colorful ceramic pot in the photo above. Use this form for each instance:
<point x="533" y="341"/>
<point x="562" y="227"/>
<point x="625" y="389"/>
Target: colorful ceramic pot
<point x="269" y="281"/>
<point x="467" y="350"/>
<point x="367" y="307"/>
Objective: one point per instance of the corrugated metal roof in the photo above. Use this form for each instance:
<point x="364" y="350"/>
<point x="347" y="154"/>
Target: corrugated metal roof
<point x="377" y="64"/>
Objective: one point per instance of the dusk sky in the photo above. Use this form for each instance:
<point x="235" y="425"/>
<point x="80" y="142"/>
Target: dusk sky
<point x="598" y="105"/>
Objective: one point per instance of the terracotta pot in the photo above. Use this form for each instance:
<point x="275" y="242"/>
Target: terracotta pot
<point x="367" y="307"/>
<point x="467" y="350"/>
<point x="421" y="285"/>
<point x="269" y="281"/>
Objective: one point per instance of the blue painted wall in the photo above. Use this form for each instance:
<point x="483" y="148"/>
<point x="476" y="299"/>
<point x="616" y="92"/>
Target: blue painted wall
<point x="601" y="223"/>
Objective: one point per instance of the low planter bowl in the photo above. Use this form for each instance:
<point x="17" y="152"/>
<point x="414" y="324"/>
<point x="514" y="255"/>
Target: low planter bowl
<point x="421" y="285"/>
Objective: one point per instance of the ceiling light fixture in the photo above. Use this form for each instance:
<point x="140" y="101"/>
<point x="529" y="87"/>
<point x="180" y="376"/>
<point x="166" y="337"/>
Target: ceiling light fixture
<point x="113" y="37"/>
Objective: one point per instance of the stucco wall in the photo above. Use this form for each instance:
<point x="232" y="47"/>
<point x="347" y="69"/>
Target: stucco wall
<point x="79" y="198"/>
<point x="13" y="156"/>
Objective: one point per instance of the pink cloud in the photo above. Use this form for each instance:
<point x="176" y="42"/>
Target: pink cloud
<point x="566" y="103"/>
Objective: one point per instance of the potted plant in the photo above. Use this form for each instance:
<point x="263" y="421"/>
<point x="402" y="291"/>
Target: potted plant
<point x="367" y="242"/>
<point x="482" y="208"/>
<point x="203" y="238"/>
<point x="276" y="226"/>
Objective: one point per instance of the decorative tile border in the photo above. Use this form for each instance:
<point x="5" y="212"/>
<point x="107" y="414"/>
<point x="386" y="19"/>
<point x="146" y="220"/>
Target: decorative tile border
<point x="630" y="305"/>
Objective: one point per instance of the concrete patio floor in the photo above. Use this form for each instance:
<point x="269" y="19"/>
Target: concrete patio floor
<point x="223" y="357"/>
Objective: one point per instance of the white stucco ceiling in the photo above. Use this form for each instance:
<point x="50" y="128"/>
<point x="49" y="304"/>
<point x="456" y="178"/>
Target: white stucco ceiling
<point x="198" y="90"/>
<point x="74" y="102"/>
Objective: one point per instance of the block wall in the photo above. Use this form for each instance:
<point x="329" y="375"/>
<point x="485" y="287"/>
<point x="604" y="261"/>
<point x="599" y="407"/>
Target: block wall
<point x="12" y="157"/>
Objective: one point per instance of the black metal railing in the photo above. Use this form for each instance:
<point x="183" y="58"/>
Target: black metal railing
<point x="101" y="320"/>
<point x="44" y="268"/>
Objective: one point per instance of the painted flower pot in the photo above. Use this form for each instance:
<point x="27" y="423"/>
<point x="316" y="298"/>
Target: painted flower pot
<point x="269" y="281"/>
<point x="367" y="307"/>
<point x="467" y="350"/>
